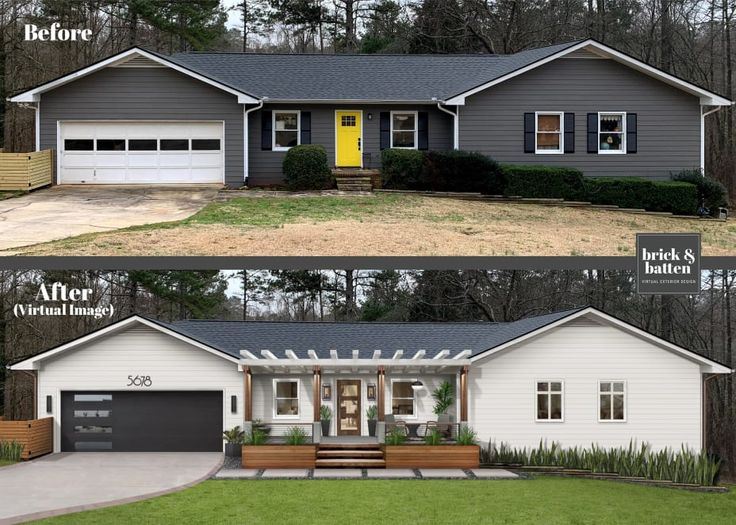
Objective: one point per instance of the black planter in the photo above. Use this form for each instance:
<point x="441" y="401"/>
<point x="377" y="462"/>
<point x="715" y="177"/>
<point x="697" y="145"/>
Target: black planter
<point x="233" y="450"/>
<point x="325" y="427"/>
<point x="372" y="427"/>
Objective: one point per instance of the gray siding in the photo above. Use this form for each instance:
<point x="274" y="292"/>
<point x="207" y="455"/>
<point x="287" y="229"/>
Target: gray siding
<point x="146" y="94"/>
<point x="265" y="166"/>
<point x="668" y="119"/>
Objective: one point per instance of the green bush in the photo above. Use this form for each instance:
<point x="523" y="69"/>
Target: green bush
<point x="711" y="193"/>
<point x="256" y="437"/>
<point x="325" y="413"/>
<point x="11" y="450"/>
<point x="305" y="168"/>
<point x="401" y="169"/>
<point x="544" y="182"/>
<point x="433" y="437"/>
<point x="460" y="171"/>
<point x="683" y="466"/>
<point x="396" y="436"/>
<point x="296" y="436"/>
<point x="466" y="436"/>
<point x="629" y="192"/>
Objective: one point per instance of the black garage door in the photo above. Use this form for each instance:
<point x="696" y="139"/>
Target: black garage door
<point x="141" y="421"/>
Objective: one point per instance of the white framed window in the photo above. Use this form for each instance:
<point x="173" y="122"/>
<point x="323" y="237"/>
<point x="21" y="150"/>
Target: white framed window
<point x="611" y="401"/>
<point x="286" y="130"/>
<point x="286" y="398"/>
<point x="548" y="135"/>
<point x="549" y="402"/>
<point x="404" y="125"/>
<point x="612" y="133"/>
<point x="403" y="399"/>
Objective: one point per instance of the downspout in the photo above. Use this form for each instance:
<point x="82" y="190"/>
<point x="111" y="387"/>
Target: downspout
<point x="702" y="136"/>
<point x="704" y="430"/>
<point x="246" y="166"/>
<point x="37" y="118"/>
<point x="455" y="123"/>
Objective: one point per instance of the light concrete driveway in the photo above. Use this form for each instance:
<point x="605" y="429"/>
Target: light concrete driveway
<point x="71" y="482"/>
<point x="63" y="211"/>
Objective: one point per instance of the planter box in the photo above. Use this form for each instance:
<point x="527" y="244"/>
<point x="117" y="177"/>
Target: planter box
<point x="279" y="456"/>
<point x="432" y="456"/>
<point x="36" y="435"/>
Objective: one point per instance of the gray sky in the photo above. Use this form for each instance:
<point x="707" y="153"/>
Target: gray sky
<point x="233" y="15"/>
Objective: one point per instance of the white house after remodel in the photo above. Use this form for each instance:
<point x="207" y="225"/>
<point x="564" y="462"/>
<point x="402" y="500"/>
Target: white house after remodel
<point x="576" y="377"/>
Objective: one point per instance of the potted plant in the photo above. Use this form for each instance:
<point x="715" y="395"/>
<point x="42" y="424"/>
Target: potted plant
<point x="444" y="397"/>
<point x="325" y="416"/>
<point x="234" y="442"/>
<point x="371" y="414"/>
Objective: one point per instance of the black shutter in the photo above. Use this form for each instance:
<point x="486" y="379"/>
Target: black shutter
<point x="306" y="127"/>
<point x="423" y="130"/>
<point x="266" y="141"/>
<point x="592" y="132"/>
<point x="385" y="129"/>
<point x="529" y="131"/>
<point x="631" y="133"/>
<point x="569" y="132"/>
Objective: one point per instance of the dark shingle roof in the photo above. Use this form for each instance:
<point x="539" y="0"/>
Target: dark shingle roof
<point x="233" y="336"/>
<point x="358" y="77"/>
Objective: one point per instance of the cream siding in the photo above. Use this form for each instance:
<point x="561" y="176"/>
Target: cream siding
<point x="105" y="364"/>
<point x="663" y="403"/>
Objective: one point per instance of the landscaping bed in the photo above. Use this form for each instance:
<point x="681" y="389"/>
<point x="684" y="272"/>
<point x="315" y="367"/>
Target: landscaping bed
<point x="279" y="456"/>
<point x="432" y="456"/>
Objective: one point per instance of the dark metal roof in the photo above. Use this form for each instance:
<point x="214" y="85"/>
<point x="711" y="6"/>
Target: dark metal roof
<point x="358" y="77"/>
<point x="233" y="336"/>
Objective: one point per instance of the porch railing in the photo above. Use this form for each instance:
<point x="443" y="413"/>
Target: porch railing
<point x="416" y="431"/>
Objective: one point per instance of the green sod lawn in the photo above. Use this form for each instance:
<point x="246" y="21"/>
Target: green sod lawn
<point x="542" y="500"/>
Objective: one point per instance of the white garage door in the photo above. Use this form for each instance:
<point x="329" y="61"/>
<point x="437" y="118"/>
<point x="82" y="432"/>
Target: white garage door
<point x="141" y="152"/>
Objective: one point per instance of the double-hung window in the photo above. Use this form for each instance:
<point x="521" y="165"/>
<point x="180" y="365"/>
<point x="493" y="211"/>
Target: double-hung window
<point x="549" y="136"/>
<point x="549" y="400"/>
<point x="611" y="401"/>
<point x="404" y="129"/>
<point x="611" y="133"/>
<point x="286" y="130"/>
<point x="403" y="402"/>
<point x="286" y="398"/>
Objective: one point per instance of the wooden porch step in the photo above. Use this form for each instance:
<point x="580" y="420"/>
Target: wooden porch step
<point x="349" y="446"/>
<point x="351" y="463"/>
<point x="345" y="453"/>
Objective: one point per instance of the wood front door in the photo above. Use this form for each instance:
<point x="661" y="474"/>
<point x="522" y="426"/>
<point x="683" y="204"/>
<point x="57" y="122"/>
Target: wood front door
<point x="348" y="408"/>
<point x="349" y="130"/>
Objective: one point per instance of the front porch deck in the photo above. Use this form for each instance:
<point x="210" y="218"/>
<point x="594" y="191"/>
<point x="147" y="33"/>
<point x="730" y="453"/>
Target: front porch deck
<point x="348" y="440"/>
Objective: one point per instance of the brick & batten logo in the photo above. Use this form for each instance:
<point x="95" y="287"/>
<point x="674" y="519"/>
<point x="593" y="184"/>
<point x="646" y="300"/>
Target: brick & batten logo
<point x="668" y="263"/>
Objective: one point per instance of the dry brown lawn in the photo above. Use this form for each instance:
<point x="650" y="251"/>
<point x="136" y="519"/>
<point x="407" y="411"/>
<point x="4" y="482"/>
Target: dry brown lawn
<point x="396" y="225"/>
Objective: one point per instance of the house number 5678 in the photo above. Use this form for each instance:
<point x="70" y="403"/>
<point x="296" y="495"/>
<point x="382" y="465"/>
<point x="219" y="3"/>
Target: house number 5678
<point x="139" y="381"/>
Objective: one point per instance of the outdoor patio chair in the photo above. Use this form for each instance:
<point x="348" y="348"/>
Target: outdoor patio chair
<point x="427" y="428"/>
<point x="444" y="425"/>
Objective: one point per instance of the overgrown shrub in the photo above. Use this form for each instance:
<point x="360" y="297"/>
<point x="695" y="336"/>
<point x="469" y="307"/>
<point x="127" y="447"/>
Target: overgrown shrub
<point x="544" y="182"/>
<point x="11" y="450"/>
<point x="401" y="168"/>
<point x="683" y="466"/>
<point x="305" y="168"/>
<point x="460" y="171"/>
<point x="711" y="193"/>
<point x="629" y="192"/>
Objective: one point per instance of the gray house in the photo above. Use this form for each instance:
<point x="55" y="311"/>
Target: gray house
<point x="139" y="117"/>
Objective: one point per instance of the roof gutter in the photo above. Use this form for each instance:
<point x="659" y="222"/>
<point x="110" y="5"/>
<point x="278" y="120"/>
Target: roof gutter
<point x="455" y="122"/>
<point x="246" y="163"/>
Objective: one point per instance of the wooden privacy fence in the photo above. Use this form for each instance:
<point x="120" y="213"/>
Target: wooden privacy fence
<point x="36" y="435"/>
<point x="26" y="171"/>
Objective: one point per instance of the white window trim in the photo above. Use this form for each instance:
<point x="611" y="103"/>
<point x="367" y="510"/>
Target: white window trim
<point x="391" y="398"/>
<point x="622" y="151"/>
<point x="562" y="400"/>
<point x="416" y="129"/>
<point x="298" y="128"/>
<point x="598" y="401"/>
<point x="277" y="380"/>
<point x="560" y="151"/>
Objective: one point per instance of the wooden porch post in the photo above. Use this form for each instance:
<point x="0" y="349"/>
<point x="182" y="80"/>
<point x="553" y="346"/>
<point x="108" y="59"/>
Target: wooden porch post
<point x="381" y="387"/>
<point x="248" y="394"/>
<point x="464" y="394"/>
<point x="316" y="391"/>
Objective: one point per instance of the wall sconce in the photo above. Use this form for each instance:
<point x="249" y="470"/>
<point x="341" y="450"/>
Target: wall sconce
<point x="370" y="116"/>
<point x="234" y="404"/>
<point x="49" y="406"/>
<point x="371" y="393"/>
<point x="417" y="385"/>
<point x="326" y="392"/>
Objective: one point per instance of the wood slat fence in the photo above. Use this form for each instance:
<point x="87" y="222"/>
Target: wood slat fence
<point x="26" y="171"/>
<point x="36" y="435"/>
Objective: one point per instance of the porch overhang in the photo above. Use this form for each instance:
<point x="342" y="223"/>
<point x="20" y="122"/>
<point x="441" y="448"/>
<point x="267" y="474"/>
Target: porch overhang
<point x="269" y="361"/>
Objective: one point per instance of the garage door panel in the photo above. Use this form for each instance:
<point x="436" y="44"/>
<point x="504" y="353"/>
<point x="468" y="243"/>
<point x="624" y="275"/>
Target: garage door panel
<point x="142" y="422"/>
<point x="162" y="166"/>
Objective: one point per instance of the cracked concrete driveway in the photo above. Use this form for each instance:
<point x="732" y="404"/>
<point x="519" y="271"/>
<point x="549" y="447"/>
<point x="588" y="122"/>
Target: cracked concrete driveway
<point x="64" y="211"/>
<point x="72" y="482"/>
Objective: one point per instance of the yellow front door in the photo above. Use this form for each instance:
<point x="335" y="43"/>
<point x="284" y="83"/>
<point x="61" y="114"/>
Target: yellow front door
<point x="348" y="126"/>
